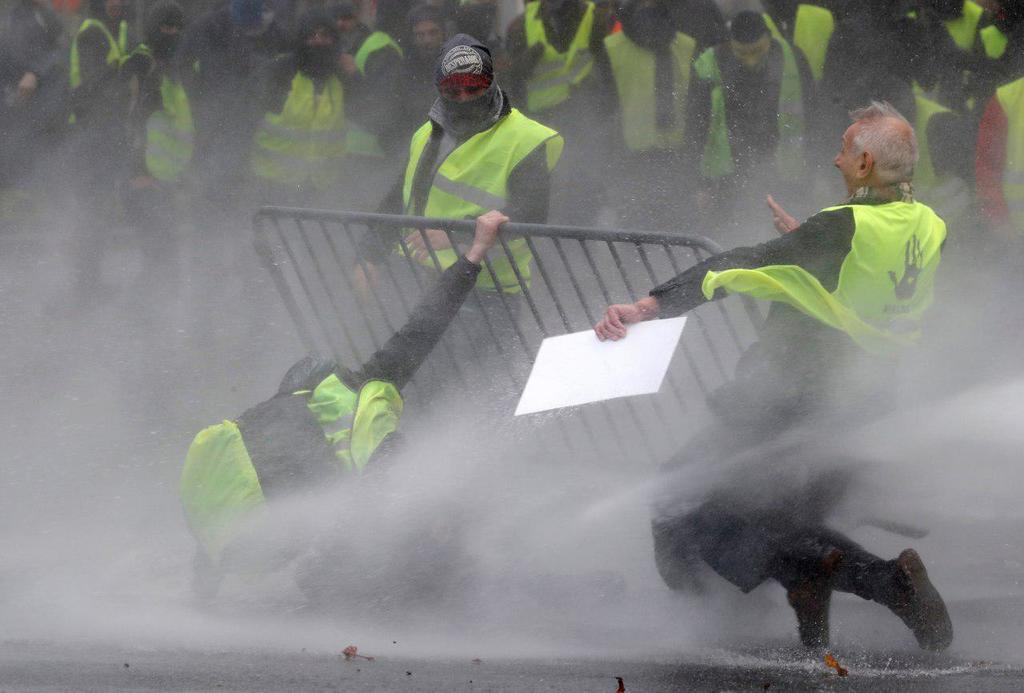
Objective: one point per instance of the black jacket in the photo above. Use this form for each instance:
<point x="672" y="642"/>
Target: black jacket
<point x="799" y="365"/>
<point x="284" y="441"/>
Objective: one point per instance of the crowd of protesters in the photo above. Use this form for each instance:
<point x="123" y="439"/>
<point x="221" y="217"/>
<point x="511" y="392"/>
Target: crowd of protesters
<point x="666" y="107"/>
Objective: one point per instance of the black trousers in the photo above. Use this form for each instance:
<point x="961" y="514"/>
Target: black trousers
<point x="749" y="531"/>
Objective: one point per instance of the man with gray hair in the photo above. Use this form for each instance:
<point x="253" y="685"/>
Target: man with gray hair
<point x="848" y="287"/>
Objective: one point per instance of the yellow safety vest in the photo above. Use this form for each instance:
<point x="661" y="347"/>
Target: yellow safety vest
<point x="1011" y="99"/>
<point x="812" y="31"/>
<point x="633" y="70"/>
<point x="305" y="142"/>
<point x="473" y="179"/>
<point x="717" y="158"/>
<point x="885" y="283"/>
<point x="170" y="134"/>
<point x="556" y="73"/>
<point x="117" y="52"/>
<point x="219" y="487"/>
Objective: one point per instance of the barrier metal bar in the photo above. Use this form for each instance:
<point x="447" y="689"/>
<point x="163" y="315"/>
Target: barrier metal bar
<point x="507" y="327"/>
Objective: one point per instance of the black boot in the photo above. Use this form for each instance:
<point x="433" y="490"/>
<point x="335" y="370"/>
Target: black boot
<point x="919" y="605"/>
<point x="811" y="598"/>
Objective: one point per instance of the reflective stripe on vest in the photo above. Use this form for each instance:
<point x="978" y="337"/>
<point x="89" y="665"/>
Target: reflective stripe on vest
<point x="473" y="179"/>
<point x="116" y="53"/>
<point x="169" y="134"/>
<point x="717" y="159"/>
<point x="885" y="283"/>
<point x="555" y="73"/>
<point x="355" y="424"/>
<point x="633" y="70"/>
<point x="1011" y="99"/>
<point x="812" y="30"/>
<point x="306" y="140"/>
<point x="994" y="41"/>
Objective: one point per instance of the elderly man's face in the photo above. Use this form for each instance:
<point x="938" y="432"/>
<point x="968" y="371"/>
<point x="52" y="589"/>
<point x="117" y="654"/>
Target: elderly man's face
<point x="855" y="167"/>
<point x="752" y="55"/>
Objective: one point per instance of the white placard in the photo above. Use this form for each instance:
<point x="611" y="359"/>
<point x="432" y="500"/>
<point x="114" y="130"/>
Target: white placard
<point x="578" y="368"/>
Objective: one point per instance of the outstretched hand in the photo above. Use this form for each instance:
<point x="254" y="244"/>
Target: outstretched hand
<point x="784" y="222"/>
<point x="486" y="235"/>
<point x="618" y="316"/>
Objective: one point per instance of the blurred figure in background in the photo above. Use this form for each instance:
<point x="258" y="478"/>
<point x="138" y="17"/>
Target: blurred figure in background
<point x="1003" y="43"/>
<point x="32" y="86"/>
<point x="646" y="77"/>
<point x="219" y="61"/>
<point x="948" y="36"/>
<point x="875" y="53"/>
<point x="999" y="168"/>
<point x="701" y="20"/>
<point x="98" y="142"/>
<point x="479" y="18"/>
<point x="805" y="25"/>
<point x="425" y="35"/>
<point x="371" y="67"/>
<point x="161" y="120"/>
<point x="752" y="104"/>
<point x="552" y="47"/>
<point x="299" y="149"/>
<point x="945" y="167"/>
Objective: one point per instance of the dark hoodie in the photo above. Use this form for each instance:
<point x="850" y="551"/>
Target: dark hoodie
<point x="529" y="184"/>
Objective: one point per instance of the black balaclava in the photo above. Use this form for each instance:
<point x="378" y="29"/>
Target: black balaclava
<point x="464" y="58"/>
<point x="167" y="13"/>
<point x="316" y="61"/>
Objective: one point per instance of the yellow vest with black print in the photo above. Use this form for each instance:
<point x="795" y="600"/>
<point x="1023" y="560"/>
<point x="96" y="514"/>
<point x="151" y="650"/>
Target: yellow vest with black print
<point x="885" y="282"/>
<point x="556" y="74"/>
<point x="220" y="489"/>
<point x="473" y="179"/>
<point x="305" y="142"/>
<point x="717" y="158"/>
<point x="812" y="30"/>
<point x="1011" y="99"/>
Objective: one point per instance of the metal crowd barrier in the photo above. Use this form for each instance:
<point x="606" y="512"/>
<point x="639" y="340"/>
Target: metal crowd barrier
<point x="487" y="353"/>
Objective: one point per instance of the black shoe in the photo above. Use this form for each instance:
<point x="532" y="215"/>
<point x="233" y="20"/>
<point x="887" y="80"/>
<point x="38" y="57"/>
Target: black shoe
<point x="920" y="606"/>
<point x="811" y="599"/>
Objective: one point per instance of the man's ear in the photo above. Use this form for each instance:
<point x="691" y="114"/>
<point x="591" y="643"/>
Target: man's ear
<point x="864" y="164"/>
